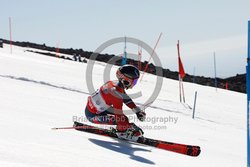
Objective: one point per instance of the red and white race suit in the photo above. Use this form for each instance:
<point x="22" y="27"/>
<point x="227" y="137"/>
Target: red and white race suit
<point x="111" y="95"/>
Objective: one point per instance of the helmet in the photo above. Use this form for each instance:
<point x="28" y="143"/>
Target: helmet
<point x="128" y="75"/>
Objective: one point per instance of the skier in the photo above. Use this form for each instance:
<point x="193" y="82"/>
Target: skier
<point x="105" y="105"/>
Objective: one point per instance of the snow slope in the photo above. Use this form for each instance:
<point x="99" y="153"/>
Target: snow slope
<point x="39" y="92"/>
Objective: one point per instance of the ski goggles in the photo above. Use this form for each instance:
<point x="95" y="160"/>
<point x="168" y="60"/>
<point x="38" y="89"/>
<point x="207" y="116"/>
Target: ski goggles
<point x="130" y="83"/>
<point x="135" y="81"/>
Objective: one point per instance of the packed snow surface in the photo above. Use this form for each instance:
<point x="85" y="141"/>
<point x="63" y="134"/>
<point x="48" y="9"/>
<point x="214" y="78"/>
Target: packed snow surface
<point x="38" y="93"/>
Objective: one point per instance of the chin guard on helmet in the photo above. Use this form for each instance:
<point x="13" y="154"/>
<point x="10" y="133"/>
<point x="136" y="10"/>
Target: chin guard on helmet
<point x="128" y="75"/>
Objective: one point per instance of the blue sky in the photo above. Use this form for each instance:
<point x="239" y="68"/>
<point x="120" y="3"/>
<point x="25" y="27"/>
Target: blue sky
<point x="203" y="27"/>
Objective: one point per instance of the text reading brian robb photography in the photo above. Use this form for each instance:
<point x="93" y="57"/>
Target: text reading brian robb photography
<point x="157" y="122"/>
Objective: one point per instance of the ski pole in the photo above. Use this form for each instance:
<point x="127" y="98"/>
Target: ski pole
<point x="72" y="127"/>
<point x="147" y="105"/>
<point x="59" y="128"/>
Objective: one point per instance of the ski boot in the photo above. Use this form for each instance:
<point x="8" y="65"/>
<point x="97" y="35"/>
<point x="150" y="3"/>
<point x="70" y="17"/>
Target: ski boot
<point x="133" y="133"/>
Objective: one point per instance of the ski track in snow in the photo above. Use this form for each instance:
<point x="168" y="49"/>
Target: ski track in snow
<point x="43" y="83"/>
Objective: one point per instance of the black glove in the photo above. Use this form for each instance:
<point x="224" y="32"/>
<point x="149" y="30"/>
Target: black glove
<point x="141" y="115"/>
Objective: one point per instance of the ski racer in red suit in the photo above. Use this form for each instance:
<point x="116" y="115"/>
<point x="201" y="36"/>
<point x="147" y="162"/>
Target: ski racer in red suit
<point x="105" y="105"/>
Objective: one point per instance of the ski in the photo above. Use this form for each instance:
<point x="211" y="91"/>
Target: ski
<point x="189" y="150"/>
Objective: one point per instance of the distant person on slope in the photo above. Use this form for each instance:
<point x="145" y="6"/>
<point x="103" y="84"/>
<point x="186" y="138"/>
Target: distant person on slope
<point x="105" y="105"/>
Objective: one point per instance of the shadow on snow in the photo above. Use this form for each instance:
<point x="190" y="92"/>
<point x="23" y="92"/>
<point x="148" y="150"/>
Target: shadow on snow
<point x="123" y="147"/>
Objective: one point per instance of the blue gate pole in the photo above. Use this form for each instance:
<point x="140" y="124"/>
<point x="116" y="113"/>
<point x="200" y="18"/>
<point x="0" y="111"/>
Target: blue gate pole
<point x="195" y="97"/>
<point x="248" y="97"/>
<point x="124" y="58"/>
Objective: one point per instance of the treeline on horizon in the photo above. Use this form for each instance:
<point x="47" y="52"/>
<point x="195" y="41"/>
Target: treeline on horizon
<point x="235" y="83"/>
